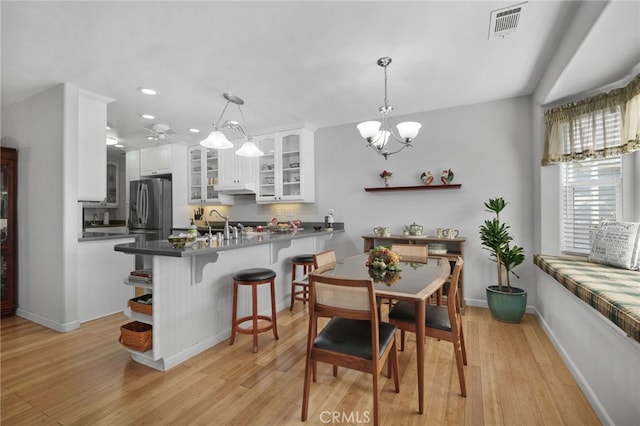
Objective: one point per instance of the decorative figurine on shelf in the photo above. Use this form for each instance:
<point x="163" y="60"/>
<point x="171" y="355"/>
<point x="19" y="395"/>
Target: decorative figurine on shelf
<point x="447" y="177"/>
<point x="386" y="176"/>
<point x="426" y="178"/>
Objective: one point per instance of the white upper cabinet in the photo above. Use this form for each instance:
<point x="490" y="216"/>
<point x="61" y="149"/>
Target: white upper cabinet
<point x="92" y="148"/>
<point x="237" y="173"/>
<point x="286" y="170"/>
<point x="112" y="181"/>
<point x="156" y="160"/>
<point x="204" y="174"/>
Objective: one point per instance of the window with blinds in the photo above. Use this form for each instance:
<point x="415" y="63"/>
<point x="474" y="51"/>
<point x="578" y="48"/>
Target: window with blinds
<point x="591" y="192"/>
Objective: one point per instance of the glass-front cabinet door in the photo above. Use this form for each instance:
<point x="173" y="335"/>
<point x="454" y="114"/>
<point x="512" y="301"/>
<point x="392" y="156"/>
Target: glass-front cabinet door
<point x="112" y="185"/>
<point x="204" y="173"/>
<point x="290" y="165"/>
<point x="286" y="170"/>
<point x="267" y="168"/>
<point x="195" y="176"/>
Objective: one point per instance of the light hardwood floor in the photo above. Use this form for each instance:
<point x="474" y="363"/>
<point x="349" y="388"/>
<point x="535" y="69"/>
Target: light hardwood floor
<point x="514" y="376"/>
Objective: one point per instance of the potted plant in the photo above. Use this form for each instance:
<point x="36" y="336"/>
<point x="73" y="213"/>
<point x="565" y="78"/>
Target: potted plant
<point x="506" y="303"/>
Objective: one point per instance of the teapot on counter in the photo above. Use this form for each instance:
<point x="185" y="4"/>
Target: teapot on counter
<point x="415" y="229"/>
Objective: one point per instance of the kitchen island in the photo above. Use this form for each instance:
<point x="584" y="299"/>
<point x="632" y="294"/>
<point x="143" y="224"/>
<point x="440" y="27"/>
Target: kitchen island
<point x="192" y="288"/>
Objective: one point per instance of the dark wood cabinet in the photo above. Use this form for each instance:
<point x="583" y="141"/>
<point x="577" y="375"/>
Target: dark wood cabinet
<point x="8" y="229"/>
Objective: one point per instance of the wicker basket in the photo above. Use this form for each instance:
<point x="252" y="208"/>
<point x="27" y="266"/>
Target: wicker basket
<point x="137" y="335"/>
<point x="144" y="308"/>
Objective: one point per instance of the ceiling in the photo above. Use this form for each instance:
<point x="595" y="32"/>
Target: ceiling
<point x="291" y="62"/>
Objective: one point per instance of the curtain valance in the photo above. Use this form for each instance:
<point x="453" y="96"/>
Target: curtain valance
<point x="601" y="126"/>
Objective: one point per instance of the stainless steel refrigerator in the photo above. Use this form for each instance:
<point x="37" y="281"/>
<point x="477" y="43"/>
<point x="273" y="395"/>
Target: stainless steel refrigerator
<point x="150" y="208"/>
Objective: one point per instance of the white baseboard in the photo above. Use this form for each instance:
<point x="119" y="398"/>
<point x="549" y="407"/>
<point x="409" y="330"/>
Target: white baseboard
<point x="47" y="322"/>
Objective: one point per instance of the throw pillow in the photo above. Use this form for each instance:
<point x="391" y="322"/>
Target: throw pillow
<point x="617" y="244"/>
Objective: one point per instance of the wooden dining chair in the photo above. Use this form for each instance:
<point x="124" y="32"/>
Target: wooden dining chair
<point x="407" y="252"/>
<point x="324" y="259"/>
<point x="353" y="337"/>
<point x="442" y="322"/>
<point x="410" y="251"/>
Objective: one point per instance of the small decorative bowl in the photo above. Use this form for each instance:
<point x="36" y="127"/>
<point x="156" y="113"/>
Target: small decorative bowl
<point x="177" y="241"/>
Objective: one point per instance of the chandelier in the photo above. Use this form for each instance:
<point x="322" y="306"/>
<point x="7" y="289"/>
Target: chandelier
<point x="218" y="140"/>
<point x="377" y="134"/>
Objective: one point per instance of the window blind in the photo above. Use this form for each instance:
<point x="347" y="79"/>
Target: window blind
<point x="591" y="192"/>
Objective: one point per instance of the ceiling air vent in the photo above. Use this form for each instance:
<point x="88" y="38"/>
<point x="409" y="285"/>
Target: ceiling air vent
<point x="505" y="21"/>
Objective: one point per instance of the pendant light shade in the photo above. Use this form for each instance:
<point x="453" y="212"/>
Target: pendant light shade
<point x="216" y="140"/>
<point x="249" y="149"/>
<point x="369" y="129"/>
<point x="408" y="130"/>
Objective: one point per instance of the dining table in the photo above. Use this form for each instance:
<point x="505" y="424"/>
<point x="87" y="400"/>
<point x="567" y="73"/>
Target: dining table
<point x="417" y="279"/>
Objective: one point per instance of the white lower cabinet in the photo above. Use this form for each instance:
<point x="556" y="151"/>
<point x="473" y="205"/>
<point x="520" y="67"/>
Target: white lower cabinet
<point x="286" y="170"/>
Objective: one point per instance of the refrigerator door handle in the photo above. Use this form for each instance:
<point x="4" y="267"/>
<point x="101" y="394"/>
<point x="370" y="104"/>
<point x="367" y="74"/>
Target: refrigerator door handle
<point x="139" y="203"/>
<point x="146" y="203"/>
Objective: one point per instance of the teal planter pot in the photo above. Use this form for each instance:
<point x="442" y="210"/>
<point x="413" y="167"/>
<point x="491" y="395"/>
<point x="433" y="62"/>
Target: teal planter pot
<point x="507" y="307"/>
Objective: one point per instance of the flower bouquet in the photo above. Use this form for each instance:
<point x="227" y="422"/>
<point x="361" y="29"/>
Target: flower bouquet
<point x="383" y="259"/>
<point x="384" y="276"/>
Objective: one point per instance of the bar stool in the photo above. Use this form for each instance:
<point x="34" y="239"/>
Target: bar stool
<point x="306" y="262"/>
<point x="253" y="277"/>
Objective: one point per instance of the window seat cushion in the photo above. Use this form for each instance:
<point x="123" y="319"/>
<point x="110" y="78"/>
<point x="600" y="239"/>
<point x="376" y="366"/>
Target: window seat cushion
<point x="613" y="292"/>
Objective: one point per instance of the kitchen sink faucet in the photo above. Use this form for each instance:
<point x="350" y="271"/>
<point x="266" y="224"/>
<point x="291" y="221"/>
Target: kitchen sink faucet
<point x="226" y="224"/>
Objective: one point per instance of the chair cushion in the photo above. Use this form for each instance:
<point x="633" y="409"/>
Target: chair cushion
<point x="353" y="337"/>
<point x="437" y="316"/>
<point x="254" y="274"/>
<point x="303" y="258"/>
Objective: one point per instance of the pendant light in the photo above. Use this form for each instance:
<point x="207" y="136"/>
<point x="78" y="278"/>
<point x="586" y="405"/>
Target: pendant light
<point x="377" y="134"/>
<point x="217" y="140"/>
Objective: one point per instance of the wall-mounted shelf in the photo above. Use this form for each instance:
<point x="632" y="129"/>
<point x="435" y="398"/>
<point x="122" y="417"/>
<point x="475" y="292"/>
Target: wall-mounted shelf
<point x="413" y="188"/>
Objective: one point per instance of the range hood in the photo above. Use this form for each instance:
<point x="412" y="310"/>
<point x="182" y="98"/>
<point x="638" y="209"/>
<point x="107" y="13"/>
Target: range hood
<point x="236" y="188"/>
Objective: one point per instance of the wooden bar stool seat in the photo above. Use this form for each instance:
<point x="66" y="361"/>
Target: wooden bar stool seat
<point x="253" y="277"/>
<point x="299" y="289"/>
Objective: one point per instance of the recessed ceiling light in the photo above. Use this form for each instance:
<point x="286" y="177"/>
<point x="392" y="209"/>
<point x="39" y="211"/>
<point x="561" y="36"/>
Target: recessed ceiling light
<point x="151" y="138"/>
<point x="119" y="145"/>
<point x="194" y="130"/>
<point x="108" y="128"/>
<point x="111" y="141"/>
<point x="147" y="91"/>
<point x="147" y="116"/>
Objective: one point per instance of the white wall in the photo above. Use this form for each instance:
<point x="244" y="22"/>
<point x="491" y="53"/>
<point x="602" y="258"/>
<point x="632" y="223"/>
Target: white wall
<point x="42" y="129"/>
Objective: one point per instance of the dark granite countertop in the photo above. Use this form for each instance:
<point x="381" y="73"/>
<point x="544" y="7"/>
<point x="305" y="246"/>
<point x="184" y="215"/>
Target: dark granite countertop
<point x="164" y="248"/>
<point x="97" y="236"/>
